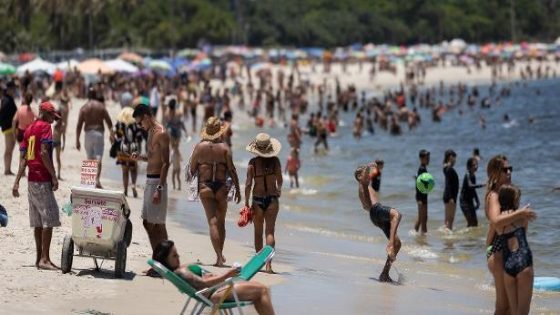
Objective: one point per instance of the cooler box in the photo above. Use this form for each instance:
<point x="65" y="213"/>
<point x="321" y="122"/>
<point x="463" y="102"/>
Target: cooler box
<point x="99" y="219"/>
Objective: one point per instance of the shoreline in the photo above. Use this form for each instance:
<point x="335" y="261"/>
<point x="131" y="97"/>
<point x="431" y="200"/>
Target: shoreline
<point x="303" y="265"/>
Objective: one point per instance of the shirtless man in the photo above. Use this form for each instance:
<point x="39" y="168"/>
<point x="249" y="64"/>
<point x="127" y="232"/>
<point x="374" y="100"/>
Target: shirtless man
<point x="294" y="137"/>
<point x="386" y="218"/>
<point x="154" y="210"/>
<point x="91" y="118"/>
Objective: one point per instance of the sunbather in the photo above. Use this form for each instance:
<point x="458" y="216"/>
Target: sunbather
<point x="253" y="291"/>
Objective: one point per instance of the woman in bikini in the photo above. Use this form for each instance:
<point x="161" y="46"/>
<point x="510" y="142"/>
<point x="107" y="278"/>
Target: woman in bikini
<point x="265" y="172"/>
<point x="499" y="174"/>
<point x="257" y="293"/>
<point x="212" y="161"/>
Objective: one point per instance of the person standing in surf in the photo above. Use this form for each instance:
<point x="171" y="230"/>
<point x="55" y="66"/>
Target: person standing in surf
<point x="451" y="188"/>
<point x="422" y="199"/>
<point x="386" y="218"/>
<point x="468" y="198"/>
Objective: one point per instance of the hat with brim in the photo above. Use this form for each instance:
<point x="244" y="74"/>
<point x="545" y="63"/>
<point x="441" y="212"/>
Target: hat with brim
<point x="125" y="116"/>
<point x="48" y="107"/>
<point x="264" y="146"/>
<point x="213" y="129"/>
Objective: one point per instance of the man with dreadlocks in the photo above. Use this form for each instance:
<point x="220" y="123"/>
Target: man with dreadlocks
<point x="386" y="218"/>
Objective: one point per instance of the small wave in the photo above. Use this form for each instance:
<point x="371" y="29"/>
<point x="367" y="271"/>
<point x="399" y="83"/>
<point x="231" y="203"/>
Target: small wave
<point x="422" y="253"/>
<point x="305" y="192"/>
<point x="510" y="124"/>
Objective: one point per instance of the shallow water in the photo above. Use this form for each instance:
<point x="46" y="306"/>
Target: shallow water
<point x="331" y="243"/>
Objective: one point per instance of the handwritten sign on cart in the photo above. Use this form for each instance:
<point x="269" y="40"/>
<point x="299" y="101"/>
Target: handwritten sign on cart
<point x="89" y="173"/>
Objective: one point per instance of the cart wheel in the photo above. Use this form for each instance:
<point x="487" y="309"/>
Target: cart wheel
<point x="128" y="233"/>
<point x="120" y="260"/>
<point x="67" y="254"/>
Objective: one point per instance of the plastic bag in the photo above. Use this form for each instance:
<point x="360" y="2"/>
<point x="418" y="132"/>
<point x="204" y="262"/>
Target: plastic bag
<point x="191" y="183"/>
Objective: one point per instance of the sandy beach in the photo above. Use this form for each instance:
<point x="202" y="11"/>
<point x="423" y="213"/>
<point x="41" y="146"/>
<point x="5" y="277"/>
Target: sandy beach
<point x="26" y="290"/>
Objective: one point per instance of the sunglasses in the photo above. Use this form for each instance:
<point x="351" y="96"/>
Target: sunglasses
<point x="507" y="169"/>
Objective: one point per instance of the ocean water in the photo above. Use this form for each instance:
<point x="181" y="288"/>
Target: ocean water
<point x="332" y="245"/>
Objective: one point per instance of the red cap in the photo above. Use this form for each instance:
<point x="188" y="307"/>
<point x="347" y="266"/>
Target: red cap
<point x="49" y="108"/>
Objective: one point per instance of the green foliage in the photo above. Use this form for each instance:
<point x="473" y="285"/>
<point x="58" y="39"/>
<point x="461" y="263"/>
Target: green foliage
<point x="67" y="24"/>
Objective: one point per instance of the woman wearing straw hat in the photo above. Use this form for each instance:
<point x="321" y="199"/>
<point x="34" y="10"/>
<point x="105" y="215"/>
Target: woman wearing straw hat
<point x="212" y="160"/>
<point x="265" y="172"/>
<point x="128" y="138"/>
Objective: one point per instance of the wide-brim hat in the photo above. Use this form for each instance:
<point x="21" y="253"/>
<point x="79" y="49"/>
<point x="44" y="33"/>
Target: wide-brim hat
<point x="125" y="116"/>
<point x="213" y="129"/>
<point x="264" y="146"/>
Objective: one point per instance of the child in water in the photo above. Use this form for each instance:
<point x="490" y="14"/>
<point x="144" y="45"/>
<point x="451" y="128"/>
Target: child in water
<point x="517" y="256"/>
<point x="176" y="159"/>
<point x="292" y="167"/>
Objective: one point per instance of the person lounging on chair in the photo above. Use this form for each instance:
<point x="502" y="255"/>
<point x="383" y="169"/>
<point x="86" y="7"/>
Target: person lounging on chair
<point x="224" y="292"/>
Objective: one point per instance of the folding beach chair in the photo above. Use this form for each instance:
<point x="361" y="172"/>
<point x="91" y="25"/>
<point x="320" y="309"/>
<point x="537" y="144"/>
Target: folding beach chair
<point x="202" y="302"/>
<point x="249" y="270"/>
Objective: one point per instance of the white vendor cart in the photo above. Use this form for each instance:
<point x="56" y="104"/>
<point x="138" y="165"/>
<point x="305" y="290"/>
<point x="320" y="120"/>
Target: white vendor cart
<point x="100" y="228"/>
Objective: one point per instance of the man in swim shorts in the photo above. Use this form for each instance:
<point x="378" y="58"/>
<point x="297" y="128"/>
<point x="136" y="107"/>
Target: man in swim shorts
<point x="386" y="218"/>
<point x="154" y="210"/>
<point x="91" y="118"/>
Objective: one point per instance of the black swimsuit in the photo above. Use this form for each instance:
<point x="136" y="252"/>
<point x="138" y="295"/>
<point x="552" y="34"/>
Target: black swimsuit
<point x="214" y="184"/>
<point x="265" y="201"/>
<point x="516" y="261"/>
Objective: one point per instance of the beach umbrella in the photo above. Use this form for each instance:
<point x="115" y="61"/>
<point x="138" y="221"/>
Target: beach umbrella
<point x="119" y="65"/>
<point x="198" y="65"/>
<point x="188" y="52"/>
<point x="7" y="69"/>
<point x="458" y="43"/>
<point x="94" y="66"/>
<point x="36" y="65"/>
<point x="131" y="57"/>
<point x="158" y="64"/>
<point x="67" y="65"/>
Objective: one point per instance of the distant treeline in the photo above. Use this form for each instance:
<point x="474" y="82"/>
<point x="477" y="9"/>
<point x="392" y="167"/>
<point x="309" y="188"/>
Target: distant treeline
<point x="38" y="25"/>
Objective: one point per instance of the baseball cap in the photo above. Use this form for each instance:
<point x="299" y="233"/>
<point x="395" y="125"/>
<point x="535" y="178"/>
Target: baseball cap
<point x="49" y="108"/>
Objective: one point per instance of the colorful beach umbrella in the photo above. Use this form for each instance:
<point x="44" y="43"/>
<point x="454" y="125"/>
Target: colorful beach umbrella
<point x="7" y="69"/>
<point x="94" y="66"/>
<point x="131" y="57"/>
<point x="158" y="64"/>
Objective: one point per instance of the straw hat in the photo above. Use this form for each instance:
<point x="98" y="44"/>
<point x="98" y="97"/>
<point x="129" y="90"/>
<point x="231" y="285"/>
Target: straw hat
<point x="213" y="129"/>
<point x="264" y="146"/>
<point x="125" y="116"/>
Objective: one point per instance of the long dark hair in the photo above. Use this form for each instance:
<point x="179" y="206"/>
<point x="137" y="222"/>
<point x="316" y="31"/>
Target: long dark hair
<point x="161" y="252"/>
<point x="494" y="170"/>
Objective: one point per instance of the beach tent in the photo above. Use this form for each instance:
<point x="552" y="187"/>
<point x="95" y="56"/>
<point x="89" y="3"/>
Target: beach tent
<point x="94" y="66"/>
<point x="119" y="65"/>
<point x="7" y="69"/>
<point x="67" y="65"/>
<point x="131" y="57"/>
<point x="35" y="65"/>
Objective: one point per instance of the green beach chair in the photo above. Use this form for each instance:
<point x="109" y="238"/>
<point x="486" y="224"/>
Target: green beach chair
<point x="247" y="272"/>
